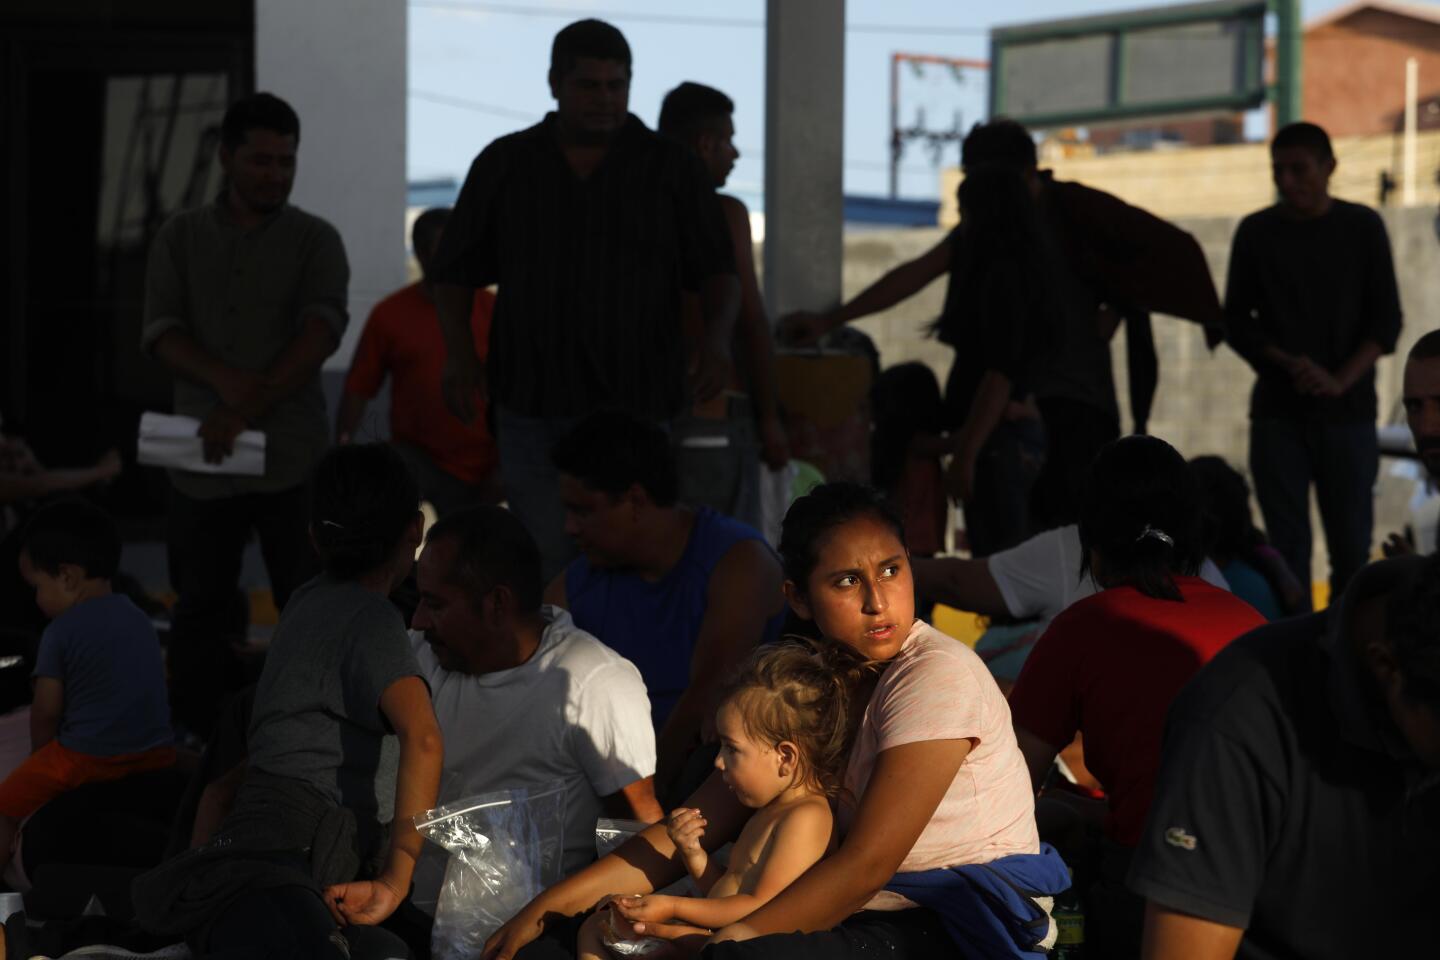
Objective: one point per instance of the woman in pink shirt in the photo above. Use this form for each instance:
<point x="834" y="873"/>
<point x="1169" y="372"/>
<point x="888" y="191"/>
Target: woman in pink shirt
<point x="936" y="784"/>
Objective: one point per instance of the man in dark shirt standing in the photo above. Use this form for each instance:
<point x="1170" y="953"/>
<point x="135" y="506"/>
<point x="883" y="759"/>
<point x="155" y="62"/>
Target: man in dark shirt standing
<point x="244" y="299"/>
<point x="1311" y="304"/>
<point x="720" y="444"/>
<point x="1104" y="260"/>
<point x="1297" y="811"/>
<point x="592" y="225"/>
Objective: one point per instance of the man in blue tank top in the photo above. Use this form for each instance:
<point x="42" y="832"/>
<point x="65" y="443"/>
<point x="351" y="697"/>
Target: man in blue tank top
<point x="684" y="593"/>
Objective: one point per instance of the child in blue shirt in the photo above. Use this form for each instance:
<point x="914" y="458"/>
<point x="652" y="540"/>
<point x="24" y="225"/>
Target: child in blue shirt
<point x="100" y="710"/>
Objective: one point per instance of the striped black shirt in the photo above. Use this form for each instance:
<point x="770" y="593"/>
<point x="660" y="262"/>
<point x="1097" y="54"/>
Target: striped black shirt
<point x="590" y="272"/>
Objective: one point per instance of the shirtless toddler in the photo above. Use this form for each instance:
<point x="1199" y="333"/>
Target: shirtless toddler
<point x="781" y="749"/>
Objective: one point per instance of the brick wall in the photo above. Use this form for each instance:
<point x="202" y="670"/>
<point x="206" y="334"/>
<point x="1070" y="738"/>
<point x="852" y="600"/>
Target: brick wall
<point x="1354" y="70"/>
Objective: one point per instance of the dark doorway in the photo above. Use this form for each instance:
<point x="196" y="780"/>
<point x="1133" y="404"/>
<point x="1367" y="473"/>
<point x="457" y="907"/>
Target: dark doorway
<point x="111" y="114"/>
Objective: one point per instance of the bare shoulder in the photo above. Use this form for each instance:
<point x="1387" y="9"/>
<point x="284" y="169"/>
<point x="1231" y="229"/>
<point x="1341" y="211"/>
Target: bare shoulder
<point x="804" y="828"/>
<point x="737" y="215"/>
<point x="734" y="206"/>
<point x="747" y="555"/>
<point x="812" y="813"/>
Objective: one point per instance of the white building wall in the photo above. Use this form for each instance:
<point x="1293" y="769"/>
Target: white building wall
<point x="342" y="65"/>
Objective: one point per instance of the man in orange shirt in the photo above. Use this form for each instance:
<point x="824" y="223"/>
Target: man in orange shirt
<point x="454" y="462"/>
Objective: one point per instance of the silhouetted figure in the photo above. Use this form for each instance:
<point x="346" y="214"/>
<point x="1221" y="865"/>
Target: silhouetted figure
<point x="593" y="226"/>
<point x="721" y="443"/>
<point x="1311" y="303"/>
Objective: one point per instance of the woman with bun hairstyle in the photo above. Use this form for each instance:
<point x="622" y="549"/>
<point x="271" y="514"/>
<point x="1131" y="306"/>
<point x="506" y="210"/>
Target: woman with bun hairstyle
<point x="1110" y="665"/>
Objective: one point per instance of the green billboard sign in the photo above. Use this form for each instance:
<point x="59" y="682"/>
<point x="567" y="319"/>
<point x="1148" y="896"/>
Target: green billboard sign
<point x="1193" y="58"/>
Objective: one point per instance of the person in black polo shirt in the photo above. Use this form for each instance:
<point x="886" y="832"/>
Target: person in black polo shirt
<point x="1311" y="303"/>
<point x="592" y="225"/>
<point x="1297" y="813"/>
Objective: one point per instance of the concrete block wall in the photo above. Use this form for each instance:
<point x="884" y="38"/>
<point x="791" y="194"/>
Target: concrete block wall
<point x="1227" y="181"/>
<point x="1203" y="400"/>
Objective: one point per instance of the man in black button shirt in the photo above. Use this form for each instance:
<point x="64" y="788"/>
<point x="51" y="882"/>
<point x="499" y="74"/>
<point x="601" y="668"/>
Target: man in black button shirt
<point x="592" y="226"/>
<point x="1297" y="812"/>
<point x="1311" y="304"/>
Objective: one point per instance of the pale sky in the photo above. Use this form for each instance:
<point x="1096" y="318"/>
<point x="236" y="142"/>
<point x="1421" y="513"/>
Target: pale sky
<point x="477" y="71"/>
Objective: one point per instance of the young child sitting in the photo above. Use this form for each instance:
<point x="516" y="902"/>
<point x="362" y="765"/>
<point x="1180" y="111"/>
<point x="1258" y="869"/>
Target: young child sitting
<point x="100" y="710"/>
<point x="782" y="726"/>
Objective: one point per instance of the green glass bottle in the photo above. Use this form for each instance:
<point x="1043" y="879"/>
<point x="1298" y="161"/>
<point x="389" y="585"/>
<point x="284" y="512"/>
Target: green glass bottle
<point x="1070" y="920"/>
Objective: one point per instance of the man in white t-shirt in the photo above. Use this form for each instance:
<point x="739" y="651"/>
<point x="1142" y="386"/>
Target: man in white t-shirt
<point x="523" y="696"/>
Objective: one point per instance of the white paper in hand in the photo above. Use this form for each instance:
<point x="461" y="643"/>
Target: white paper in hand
<point x="174" y="441"/>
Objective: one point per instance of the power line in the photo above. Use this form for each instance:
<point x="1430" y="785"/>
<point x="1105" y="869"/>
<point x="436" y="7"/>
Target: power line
<point x="904" y="29"/>
<point x="480" y="106"/>
<point x="466" y="104"/>
<point x="685" y="20"/>
<point x="570" y="12"/>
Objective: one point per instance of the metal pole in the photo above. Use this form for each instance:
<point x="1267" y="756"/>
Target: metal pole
<point x="894" y="125"/>
<point x="1289" y="36"/>
<point x="1412" y="93"/>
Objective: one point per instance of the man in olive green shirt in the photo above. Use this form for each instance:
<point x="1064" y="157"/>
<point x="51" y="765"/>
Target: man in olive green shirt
<point x="244" y="299"/>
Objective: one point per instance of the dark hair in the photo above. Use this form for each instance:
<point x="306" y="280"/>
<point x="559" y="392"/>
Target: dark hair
<point x="1229" y="528"/>
<point x="791" y="691"/>
<point x="1307" y="136"/>
<point x="1427" y="347"/>
<point x="72" y="531"/>
<point x="813" y="516"/>
<point x="258" y="111"/>
<point x="1003" y="266"/>
<point x="426" y="227"/>
<point x="1001" y="142"/>
<point x="1140" y="511"/>
<point x="492" y="549"/>
<point x="904" y="402"/>
<point x="362" y="497"/>
<point x="611" y="451"/>
<point x="998" y="213"/>
<point x="586" y="38"/>
<point x="686" y="110"/>
<point x="1412" y="625"/>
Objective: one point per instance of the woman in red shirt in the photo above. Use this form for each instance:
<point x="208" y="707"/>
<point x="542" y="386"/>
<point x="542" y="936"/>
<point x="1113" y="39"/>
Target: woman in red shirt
<point x="1110" y="665"/>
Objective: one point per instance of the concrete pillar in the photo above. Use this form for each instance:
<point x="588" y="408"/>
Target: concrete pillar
<point x="804" y="150"/>
<point x="341" y="64"/>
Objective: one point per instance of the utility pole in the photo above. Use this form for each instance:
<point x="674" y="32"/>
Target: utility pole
<point x="935" y="138"/>
<point x="1289" y="32"/>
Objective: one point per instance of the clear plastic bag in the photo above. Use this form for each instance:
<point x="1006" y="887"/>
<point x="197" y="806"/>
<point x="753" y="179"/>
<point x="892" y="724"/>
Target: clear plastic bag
<point x="609" y="834"/>
<point x="505" y="847"/>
